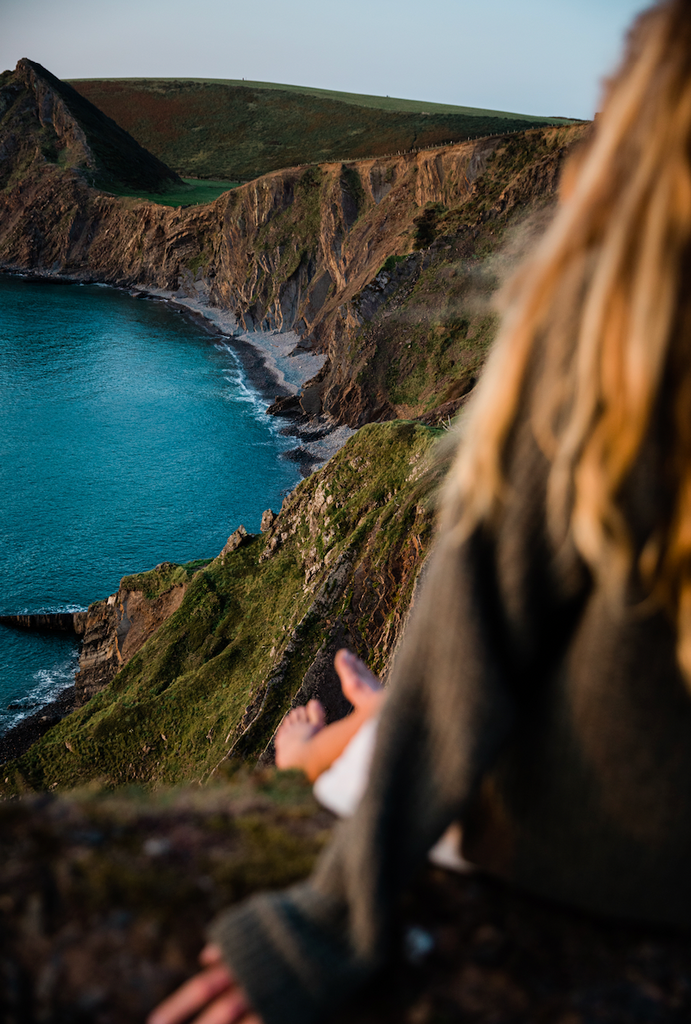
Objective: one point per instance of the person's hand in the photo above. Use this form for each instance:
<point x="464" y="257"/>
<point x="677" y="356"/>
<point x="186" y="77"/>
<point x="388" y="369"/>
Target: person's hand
<point x="213" y="994"/>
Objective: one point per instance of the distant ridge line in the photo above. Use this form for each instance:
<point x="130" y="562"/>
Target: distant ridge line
<point x="392" y="103"/>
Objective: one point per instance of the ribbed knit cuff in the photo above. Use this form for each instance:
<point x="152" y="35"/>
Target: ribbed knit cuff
<point x="288" y="952"/>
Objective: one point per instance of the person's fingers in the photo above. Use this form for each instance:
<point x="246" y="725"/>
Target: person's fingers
<point x="211" y="954"/>
<point x="229" y="1008"/>
<point x="315" y="713"/>
<point x="356" y="666"/>
<point x="357" y="682"/>
<point x="192" y="996"/>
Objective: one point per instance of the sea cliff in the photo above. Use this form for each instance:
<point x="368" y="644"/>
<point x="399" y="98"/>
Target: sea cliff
<point x="386" y="268"/>
<point x="232" y="643"/>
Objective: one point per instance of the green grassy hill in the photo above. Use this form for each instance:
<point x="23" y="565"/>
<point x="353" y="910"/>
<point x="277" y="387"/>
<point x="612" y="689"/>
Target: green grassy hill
<point x="237" y="130"/>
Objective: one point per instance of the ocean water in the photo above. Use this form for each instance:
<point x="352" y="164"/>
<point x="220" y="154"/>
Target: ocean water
<point x="129" y="437"/>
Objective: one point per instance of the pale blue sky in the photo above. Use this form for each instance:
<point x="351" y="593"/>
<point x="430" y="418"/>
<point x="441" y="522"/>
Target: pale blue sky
<point x="530" y="56"/>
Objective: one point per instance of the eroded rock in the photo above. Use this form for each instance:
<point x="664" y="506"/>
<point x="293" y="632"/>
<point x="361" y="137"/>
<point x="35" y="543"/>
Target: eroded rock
<point x="236" y="540"/>
<point x="268" y="519"/>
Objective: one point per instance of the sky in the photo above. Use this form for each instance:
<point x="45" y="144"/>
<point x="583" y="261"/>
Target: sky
<point x="545" y="57"/>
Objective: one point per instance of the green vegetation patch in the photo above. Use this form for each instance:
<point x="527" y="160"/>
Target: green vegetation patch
<point x="390" y="263"/>
<point x="428" y="348"/>
<point x="163" y="578"/>
<point x="436" y="356"/>
<point x="194" y="192"/>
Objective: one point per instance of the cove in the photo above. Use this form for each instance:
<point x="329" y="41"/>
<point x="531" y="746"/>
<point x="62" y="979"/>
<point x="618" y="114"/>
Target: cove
<point x="129" y="437"/>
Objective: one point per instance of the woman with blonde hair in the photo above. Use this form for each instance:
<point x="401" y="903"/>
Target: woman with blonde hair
<point x="542" y="695"/>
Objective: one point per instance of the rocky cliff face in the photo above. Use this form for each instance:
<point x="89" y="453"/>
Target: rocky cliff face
<point x="114" y="629"/>
<point x="388" y="267"/>
<point x="304" y="249"/>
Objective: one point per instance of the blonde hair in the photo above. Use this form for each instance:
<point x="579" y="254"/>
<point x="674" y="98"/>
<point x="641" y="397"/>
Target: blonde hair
<point x="602" y="317"/>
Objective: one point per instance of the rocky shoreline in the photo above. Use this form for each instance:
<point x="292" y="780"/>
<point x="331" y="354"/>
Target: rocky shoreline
<point x="18" y="738"/>
<point x="277" y="366"/>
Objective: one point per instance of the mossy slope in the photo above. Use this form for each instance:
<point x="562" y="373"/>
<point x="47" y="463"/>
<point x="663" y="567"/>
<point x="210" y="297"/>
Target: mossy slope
<point x="259" y="623"/>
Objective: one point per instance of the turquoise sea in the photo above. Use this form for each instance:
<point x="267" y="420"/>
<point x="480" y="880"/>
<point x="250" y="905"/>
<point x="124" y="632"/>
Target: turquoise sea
<point x="129" y="437"/>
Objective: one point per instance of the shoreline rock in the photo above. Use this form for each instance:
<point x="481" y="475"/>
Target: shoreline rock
<point x="72" y="623"/>
<point x="111" y="633"/>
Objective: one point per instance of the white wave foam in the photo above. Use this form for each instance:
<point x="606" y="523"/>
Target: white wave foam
<point x="243" y="390"/>
<point x="58" y="609"/>
<point x="49" y="683"/>
<point x="47" y="609"/>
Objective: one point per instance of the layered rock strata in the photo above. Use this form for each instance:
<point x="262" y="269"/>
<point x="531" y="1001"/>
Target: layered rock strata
<point x="116" y="628"/>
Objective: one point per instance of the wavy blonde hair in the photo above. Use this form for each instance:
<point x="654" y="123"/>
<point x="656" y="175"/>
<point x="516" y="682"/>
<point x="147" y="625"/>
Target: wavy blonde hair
<point x="602" y="315"/>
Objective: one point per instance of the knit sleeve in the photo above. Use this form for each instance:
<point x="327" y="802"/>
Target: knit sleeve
<point x="297" y="952"/>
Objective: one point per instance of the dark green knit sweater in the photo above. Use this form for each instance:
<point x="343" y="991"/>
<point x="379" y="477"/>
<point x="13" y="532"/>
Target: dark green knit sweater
<point x="556" y="729"/>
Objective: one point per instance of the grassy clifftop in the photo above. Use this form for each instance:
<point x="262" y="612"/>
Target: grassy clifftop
<point x="258" y="627"/>
<point x="240" y="130"/>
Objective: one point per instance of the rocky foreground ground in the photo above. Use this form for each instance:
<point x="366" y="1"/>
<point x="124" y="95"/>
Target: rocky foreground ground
<point x="104" y="900"/>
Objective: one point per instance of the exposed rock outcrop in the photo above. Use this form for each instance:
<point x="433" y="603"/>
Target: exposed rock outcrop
<point x="116" y="628"/>
<point x="44" y="120"/>
<point x="72" y="623"/>
<point x="236" y="540"/>
<point x="268" y="520"/>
